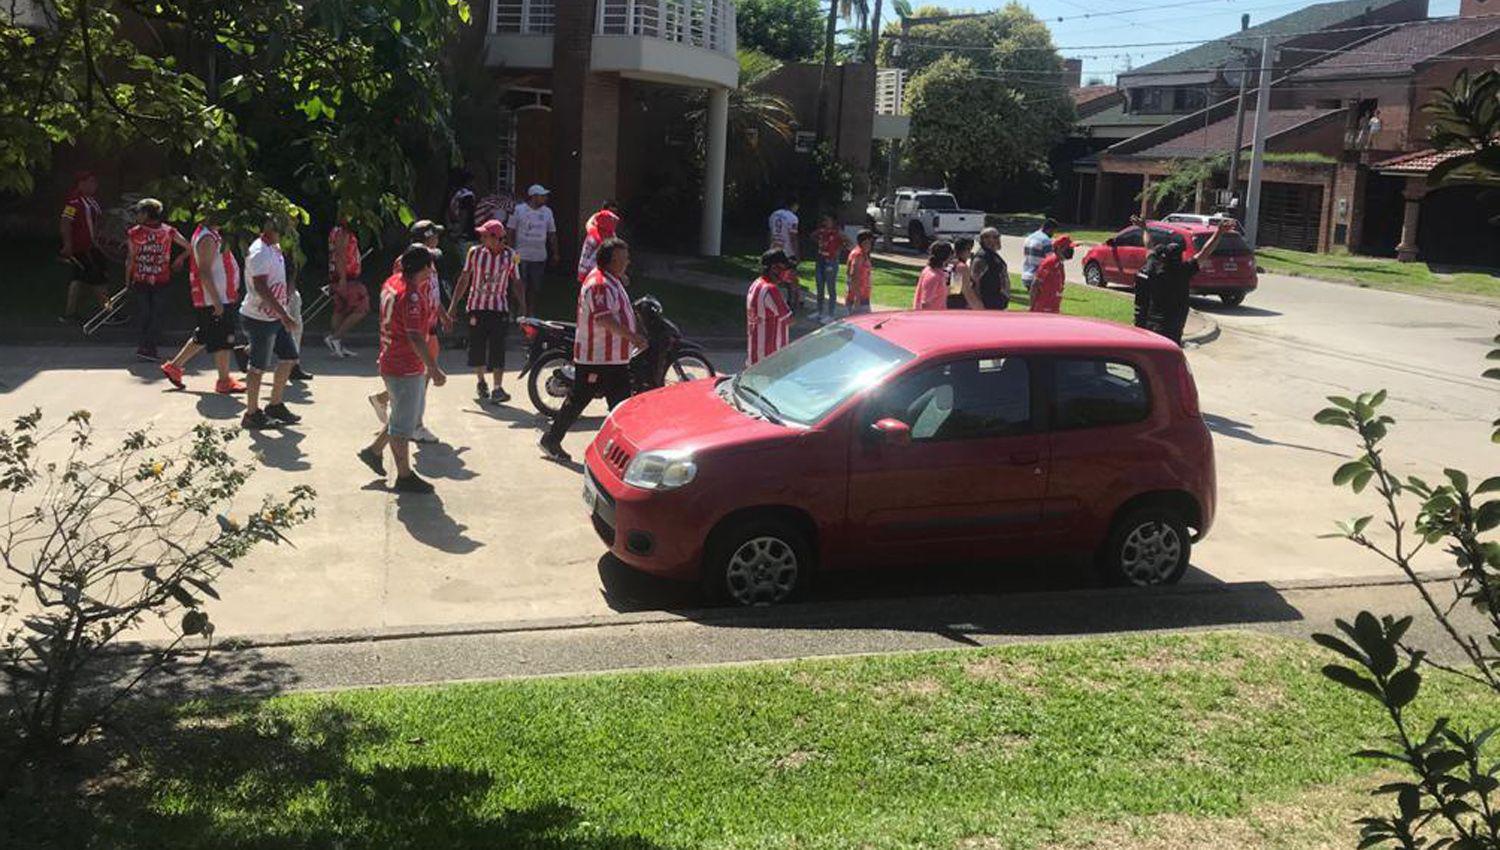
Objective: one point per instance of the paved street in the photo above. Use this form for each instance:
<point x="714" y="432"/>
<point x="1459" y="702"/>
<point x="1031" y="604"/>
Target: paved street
<point x="506" y="540"/>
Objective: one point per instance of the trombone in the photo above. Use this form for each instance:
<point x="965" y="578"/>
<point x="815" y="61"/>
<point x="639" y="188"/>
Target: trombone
<point x="114" y="305"/>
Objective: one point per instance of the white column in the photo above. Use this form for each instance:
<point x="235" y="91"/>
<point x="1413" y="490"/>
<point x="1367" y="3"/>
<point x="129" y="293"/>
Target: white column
<point x="713" y="172"/>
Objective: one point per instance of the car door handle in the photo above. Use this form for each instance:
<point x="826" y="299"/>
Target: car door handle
<point x="1023" y="458"/>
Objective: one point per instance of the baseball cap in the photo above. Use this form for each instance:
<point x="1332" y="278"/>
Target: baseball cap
<point x="492" y="227"/>
<point x="424" y="228"/>
<point x="537" y="189"/>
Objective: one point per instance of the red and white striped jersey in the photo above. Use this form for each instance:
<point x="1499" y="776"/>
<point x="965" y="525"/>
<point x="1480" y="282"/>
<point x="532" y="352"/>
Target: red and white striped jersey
<point x="490" y="275"/>
<point x="602" y="296"/>
<point x="768" y="320"/>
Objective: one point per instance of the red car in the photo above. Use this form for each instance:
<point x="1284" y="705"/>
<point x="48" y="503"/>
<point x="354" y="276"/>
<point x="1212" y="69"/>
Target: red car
<point x="909" y="439"/>
<point x="1229" y="273"/>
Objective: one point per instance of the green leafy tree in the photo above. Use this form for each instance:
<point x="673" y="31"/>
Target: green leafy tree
<point x="1466" y="117"/>
<point x="782" y="29"/>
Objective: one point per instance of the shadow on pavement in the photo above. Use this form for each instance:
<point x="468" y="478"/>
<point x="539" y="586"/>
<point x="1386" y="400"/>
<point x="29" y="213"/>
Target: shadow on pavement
<point x="442" y="461"/>
<point x="427" y="521"/>
<point x="280" y="448"/>
<point x="1236" y="430"/>
<point x="1216" y="306"/>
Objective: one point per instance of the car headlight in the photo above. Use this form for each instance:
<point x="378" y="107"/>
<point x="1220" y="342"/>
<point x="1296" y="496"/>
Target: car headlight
<point x="666" y="470"/>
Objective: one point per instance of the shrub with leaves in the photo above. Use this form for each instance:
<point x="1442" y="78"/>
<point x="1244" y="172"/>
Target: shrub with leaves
<point x="97" y="540"/>
<point x="1448" y="797"/>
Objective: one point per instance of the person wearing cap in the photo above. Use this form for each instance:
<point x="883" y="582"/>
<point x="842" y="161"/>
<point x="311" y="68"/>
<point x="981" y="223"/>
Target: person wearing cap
<point x="148" y="269"/>
<point x="406" y="365"/>
<point x="1047" y="284"/>
<point x="768" y="319"/>
<point x="533" y="232"/>
<point x="79" y="228"/>
<point x="491" y="283"/>
<point x="601" y="226"/>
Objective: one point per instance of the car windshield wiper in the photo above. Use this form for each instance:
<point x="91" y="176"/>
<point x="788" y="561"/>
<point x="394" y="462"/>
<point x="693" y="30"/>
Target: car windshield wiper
<point x="767" y="408"/>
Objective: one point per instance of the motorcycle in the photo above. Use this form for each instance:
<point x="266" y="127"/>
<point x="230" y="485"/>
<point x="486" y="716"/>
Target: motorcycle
<point x="668" y="358"/>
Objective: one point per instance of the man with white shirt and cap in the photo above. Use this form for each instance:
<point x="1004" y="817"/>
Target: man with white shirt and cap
<point x="533" y="233"/>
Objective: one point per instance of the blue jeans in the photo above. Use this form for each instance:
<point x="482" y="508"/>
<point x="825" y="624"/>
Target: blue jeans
<point x="827" y="274"/>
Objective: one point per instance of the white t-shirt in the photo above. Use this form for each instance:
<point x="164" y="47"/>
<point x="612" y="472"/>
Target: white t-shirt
<point x="783" y="224"/>
<point x="267" y="260"/>
<point x="532" y="224"/>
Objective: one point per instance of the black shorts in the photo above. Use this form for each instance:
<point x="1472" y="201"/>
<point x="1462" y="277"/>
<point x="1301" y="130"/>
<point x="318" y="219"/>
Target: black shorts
<point x="215" y="333"/>
<point x="88" y="267"/>
<point x="487" y="332"/>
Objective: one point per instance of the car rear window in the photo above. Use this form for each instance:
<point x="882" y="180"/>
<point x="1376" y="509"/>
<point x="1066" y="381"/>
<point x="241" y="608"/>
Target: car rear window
<point x="1230" y="245"/>
<point x="1093" y="393"/>
<point x="937" y="202"/>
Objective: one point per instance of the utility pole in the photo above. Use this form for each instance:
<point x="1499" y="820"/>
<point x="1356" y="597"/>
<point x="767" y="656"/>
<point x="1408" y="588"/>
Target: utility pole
<point x="1239" y="129"/>
<point x="1258" y="148"/>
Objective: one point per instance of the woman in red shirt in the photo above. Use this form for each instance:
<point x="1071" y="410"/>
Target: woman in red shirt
<point x="830" y="242"/>
<point x="932" y="286"/>
<point x="857" y="300"/>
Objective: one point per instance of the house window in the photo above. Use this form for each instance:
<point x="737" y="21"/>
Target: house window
<point x="804" y="141"/>
<point x="1189" y="99"/>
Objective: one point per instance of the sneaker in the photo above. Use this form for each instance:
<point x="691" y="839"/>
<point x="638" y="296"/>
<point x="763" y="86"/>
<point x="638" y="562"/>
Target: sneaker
<point x="65" y="319"/>
<point x="334" y="346"/>
<point x="174" y="374"/>
<point x="300" y="374"/>
<point x="553" y="451"/>
<point x="422" y="435"/>
<point x="282" y="416"/>
<point x="372" y="460"/>
<point x="412" y="484"/>
<point x="482" y="390"/>
<point x="256" y="420"/>
<point x="499" y="396"/>
<point x="346" y="351"/>
<point x="381" y="408"/>
<point x="228" y="386"/>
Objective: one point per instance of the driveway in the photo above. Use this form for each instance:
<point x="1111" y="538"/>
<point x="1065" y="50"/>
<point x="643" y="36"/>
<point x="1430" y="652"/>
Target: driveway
<point x="506" y="539"/>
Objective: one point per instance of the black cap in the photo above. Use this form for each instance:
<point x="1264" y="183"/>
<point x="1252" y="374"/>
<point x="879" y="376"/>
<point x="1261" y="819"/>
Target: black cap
<point x="774" y="257"/>
<point x="424" y="228"/>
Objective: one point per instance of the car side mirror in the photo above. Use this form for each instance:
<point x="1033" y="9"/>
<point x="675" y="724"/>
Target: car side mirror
<point x="891" y="432"/>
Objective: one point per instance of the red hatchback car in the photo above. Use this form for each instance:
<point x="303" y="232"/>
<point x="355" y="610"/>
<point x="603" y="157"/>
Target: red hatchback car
<point x="1229" y="273"/>
<point x="912" y="438"/>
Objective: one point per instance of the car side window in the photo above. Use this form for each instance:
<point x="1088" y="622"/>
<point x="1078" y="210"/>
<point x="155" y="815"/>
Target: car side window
<point x="1160" y="236"/>
<point x="1093" y="393"/>
<point x="1129" y="238"/>
<point x="962" y="400"/>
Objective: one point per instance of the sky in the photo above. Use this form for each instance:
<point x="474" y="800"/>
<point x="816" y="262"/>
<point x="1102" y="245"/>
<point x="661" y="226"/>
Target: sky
<point x="1138" y="23"/>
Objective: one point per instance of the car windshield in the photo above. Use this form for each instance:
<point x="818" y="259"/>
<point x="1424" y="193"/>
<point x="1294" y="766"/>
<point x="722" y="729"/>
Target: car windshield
<point x="804" y="381"/>
<point x="937" y="202"/>
<point x="1230" y="245"/>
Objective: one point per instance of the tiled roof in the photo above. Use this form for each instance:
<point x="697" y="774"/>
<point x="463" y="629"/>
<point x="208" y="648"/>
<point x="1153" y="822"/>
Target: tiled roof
<point x="1398" y="50"/>
<point x="1220" y="54"/>
<point x="1219" y="136"/>
<point x="1087" y="94"/>
<point x="1417" y="162"/>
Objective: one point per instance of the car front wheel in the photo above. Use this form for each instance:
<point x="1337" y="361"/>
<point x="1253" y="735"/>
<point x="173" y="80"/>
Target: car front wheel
<point x="759" y="561"/>
<point x="1093" y="275"/>
<point x="1147" y="547"/>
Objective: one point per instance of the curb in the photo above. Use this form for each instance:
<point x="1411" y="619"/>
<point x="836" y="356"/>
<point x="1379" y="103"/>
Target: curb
<point x="799" y="612"/>
<point x="1209" y="331"/>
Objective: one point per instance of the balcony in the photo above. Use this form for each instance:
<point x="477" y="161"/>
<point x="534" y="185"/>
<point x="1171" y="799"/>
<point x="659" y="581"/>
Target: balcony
<point x="683" y="42"/>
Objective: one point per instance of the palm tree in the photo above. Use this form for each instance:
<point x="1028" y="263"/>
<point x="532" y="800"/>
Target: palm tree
<point x="1466" y="117"/>
<point x="836" y="9"/>
<point x="754" y="115"/>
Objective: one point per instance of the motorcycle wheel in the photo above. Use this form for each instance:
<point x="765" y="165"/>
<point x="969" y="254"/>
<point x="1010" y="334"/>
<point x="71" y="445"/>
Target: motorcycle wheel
<point x="688" y="367"/>
<point x="548" y="390"/>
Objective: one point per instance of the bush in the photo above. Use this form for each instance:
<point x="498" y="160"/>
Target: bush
<point x="98" y="541"/>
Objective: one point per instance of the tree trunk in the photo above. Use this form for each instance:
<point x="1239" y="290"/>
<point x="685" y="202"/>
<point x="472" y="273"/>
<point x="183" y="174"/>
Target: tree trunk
<point x="827" y="72"/>
<point x="875" y="34"/>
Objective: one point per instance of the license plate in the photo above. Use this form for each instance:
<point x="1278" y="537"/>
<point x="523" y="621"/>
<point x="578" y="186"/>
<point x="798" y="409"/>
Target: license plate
<point x="1231" y="267"/>
<point x="590" y="495"/>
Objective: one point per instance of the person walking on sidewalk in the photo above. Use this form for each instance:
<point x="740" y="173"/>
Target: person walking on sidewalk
<point x="406" y="364"/>
<point x="79" y="228"/>
<point x="601" y="226"/>
<point x="768" y="318"/>
<point x="1037" y="246"/>
<point x="351" y="301"/>
<point x="932" y="284"/>
<point x="427" y="234"/>
<point x="782" y="227"/>
<point x="991" y="277"/>
<point x="213" y="279"/>
<point x="603" y="346"/>
<point x="533" y="232"/>
<point x="268" y="321"/>
<point x="1047" y="288"/>
<point x="148" y="270"/>
<point x="830" y="242"/>
<point x="489" y="276"/>
<point x="861" y="268"/>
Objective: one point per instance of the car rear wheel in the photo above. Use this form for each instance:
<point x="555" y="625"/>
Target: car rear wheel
<point x="1232" y="299"/>
<point x="918" y="238"/>
<point x="1148" y="546"/>
<point x="1093" y="275"/>
<point x="757" y="561"/>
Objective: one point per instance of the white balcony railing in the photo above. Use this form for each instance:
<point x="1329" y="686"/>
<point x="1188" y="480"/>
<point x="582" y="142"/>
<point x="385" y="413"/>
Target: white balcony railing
<point x="699" y="23"/>
<point x="890" y="90"/>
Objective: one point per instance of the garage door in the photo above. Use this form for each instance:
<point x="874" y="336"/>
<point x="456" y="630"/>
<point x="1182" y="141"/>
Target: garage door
<point x="1289" y="216"/>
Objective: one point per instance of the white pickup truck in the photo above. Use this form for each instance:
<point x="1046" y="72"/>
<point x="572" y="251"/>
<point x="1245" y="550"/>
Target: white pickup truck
<point x="923" y="215"/>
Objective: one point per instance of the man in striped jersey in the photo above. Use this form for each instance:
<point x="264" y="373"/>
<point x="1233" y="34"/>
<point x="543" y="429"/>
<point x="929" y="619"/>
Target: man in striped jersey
<point x="768" y="319"/>
<point x="602" y="348"/>
<point x="490" y="280"/>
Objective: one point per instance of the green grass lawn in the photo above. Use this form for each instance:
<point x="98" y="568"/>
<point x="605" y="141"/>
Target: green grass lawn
<point x="1120" y="741"/>
<point x="893" y="285"/>
<point x="1379" y="273"/>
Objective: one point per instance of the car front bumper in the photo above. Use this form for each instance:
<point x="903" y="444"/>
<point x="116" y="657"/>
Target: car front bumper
<point x="654" y="532"/>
